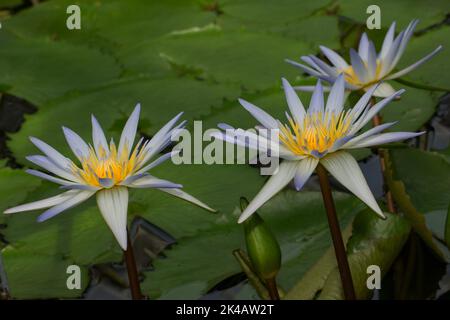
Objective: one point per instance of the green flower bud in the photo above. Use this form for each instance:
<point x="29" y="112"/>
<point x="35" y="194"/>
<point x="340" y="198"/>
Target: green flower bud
<point x="262" y="246"/>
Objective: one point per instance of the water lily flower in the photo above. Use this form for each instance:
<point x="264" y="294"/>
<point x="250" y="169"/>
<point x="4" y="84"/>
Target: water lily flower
<point x="105" y="170"/>
<point x="367" y="67"/>
<point x="322" y="134"/>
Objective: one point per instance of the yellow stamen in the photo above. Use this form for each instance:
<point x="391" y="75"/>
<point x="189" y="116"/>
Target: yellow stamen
<point x="351" y="77"/>
<point x="317" y="133"/>
<point x="114" y="166"/>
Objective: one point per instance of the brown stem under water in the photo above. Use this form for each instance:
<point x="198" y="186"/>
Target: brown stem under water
<point x="133" y="276"/>
<point x="376" y="121"/>
<point x="272" y="288"/>
<point x="335" y="230"/>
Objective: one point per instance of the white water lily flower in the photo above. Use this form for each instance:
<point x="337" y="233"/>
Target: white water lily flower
<point x="320" y="134"/>
<point x="367" y="67"/>
<point x="106" y="170"/>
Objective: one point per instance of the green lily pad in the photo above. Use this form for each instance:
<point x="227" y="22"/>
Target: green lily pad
<point x="395" y="11"/>
<point x="298" y="221"/>
<point x="161" y="100"/>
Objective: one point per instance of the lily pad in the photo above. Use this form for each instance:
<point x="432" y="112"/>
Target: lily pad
<point x="298" y="221"/>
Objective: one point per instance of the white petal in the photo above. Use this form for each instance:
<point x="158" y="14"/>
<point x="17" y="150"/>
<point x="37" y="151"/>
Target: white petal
<point x="360" y="106"/>
<point x="44" y="203"/>
<point x="387" y="64"/>
<point x="414" y="65"/>
<point x="304" y="170"/>
<point x="263" y="117"/>
<point x="320" y="65"/>
<point x="363" y="49"/>
<point x="368" y="133"/>
<point x="158" y="161"/>
<point x="276" y="182"/>
<point x="51" y="153"/>
<point x="251" y="140"/>
<point x="358" y="66"/>
<point x="334" y="58"/>
<point x="346" y="170"/>
<point x="373" y="111"/>
<point x="148" y="181"/>
<point x="186" y="196"/>
<point x="335" y="101"/>
<point x="49" y="165"/>
<point x="385" y="138"/>
<point x="407" y="36"/>
<point x="81" y="196"/>
<point x="310" y="88"/>
<point x="48" y="177"/>
<point x="387" y="42"/>
<point x="384" y="90"/>
<point x="129" y="131"/>
<point x="372" y="61"/>
<point x="316" y="104"/>
<point x="113" y="205"/>
<point x="295" y="105"/>
<point x="79" y="148"/>
<point x="98" y="138"/>
<point x="308" y="70"/>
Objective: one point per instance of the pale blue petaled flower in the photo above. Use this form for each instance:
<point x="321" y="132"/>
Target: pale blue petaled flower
<point x="105" y="170"/>
<point x="322" y="134"/>
<point x="367" y="67"/>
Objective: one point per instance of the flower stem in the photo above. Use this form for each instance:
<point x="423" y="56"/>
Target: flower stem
<point x="272" y="288"/>
<point x="376" y="121"/>
<point x="133" y="276"/>
<point x="338" y="243"/>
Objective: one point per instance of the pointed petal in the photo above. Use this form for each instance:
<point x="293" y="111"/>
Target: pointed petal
<point x="51" y="153"/>
<point x="384" y="90"/>
<point x="129" y="131"/>
<point x="358" y="66"/>
<point x="295" y="105"/>
<point x="323" y="67"/>
<point x="346" y="170"/>
<point x="387" y="42"/>
<point x="363" y="49"/>
<point x="316" y="104"/>
<point x="186" y="196"/>
<point x="304" y="170"/>
<point x="148" y="181"/>
<point x="44" y="203"/>
<point x="98" y="138"/>
<point x="49" y="165"/>
<point x="371" y="61"/>
<point x="361" y="122"/>
<point x="368" y="133"/>
<point x="263" y="117"/>
<point x="414" y="65"/>
<point x="334" y="58"/>
<point x="79" y="147"/>
<point x="48" y="177"/>
<point x="407" y="36"/>
<point x="335" y="101"/>
<point x="79" y="197"/>
<point x="276" y="182"/>
<point x="308" y="70"/>
<point x="113" y="205"/>
<point x="387" y="64"/>
<point x="385" y="138"/>
<point x="158" y="161"/>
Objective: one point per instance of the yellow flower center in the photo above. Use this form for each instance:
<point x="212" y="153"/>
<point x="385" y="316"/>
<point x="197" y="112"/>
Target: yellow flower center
<point x="317" y="134"/>
<point x="114" y="166"/>
<point x="351" y="77"/>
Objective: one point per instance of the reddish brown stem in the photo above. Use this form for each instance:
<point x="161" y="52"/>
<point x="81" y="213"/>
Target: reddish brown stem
<point x="335" y="230"/>
<point x="133" y="276"/>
